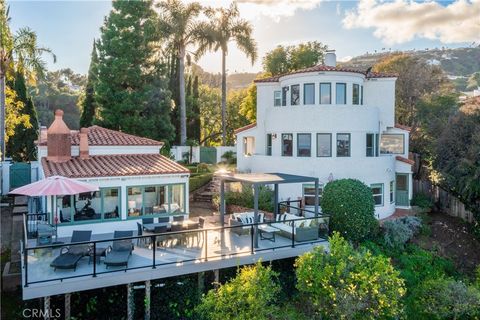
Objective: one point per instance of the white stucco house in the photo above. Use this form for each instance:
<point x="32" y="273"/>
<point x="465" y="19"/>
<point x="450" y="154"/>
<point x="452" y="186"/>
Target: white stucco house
<point x="135" y="181"/>
<point x="331" y="123"/>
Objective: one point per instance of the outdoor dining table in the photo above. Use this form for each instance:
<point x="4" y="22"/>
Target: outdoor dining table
<point x="150" y="227"/>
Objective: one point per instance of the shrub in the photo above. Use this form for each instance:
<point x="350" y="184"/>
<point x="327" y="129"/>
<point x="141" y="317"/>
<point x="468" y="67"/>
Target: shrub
<point x="245" y="198"/>
<point x="250" y="295"/>
<point x="230" y="157"/>
<point x="446" y="299"/>
<point x="398" y="232"/>
<point x="198" y="181"/>
<point x="423" y="201"/>
<point x="349" y="284"/>
<point x="351" y="207"/>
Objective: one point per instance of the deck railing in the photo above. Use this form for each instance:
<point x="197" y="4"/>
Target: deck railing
<point x="31" y="222"/>
<point x="199" y="239"/>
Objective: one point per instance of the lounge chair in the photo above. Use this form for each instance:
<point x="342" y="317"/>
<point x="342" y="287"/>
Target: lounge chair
<point x="69" y="256"/>
<point x="121" y="250"/>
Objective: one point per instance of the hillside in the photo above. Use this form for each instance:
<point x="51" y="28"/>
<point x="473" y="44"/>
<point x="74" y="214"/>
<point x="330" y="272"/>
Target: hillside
<point x="234" y="80"/>
<point x="459" y="62"/>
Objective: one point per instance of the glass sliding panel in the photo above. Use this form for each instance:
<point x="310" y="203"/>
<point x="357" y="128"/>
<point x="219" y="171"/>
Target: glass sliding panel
<point x="356" y="94"/>
<point x="370" y="145"/>
<point x="269" y="144"/>
<point x="87" y="206"/>
<point x="377" y="191"/>
<point x="392" y="144"/>
<point x="64" y="209"/>
<point x="277" y="98"/>
<point x="324" y="145"/>
<point x="154" y="198"/>
<point x="134" y="201"/>
<point x="343" y="145"/>
<point x="177" y="205"/>
<point x="295" y="95"/>
<point x="309" y="93"/>
<point x="111" y="203"/>
<point x="341" y="93"/>
<point x="284" y="96"/>
<point x="287" y="144"/>
<point x="325" y="93"/>
<point x="304" y="145"/>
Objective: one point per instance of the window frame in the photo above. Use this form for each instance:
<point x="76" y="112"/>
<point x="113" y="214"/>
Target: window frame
<point x="298" y="144"/>
<point x="382" y="194"/>
<point x="284" y="95"/>
<point x="349" y="144"/>
<point x="330" y="150"/>
<point x="329" y="92"/>
<point x="392" y="134"/>
<point x="361" y="95"/>
<point x="269" y="144"/>
<point x="304" y="93"/>
<point x="309" y="186"/>
<point x="283" y="154"/>
<point x="291" y="94"/>
<point x="356" y="101"/>
<point x="279" y="98"/>
<point x="344" y="84"/>
<point x="372" y="135"/>
<point x="392" y="191"/>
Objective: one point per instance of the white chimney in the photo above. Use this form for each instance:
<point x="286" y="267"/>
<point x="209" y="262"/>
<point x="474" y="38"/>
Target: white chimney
<point x="331" y="58"/>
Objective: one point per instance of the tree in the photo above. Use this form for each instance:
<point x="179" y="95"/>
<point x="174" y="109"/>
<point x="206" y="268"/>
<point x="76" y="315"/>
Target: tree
<point x="474" y="81"/>
<point x="284" y="59"/>
<point x="416" y="78"/>
<point x="21" y="46"/>
<point x="250" y="295"/>
<point x="350" y="204"/>
<point x="88" y="103"/>
<point x="235" y="117"/>
<point x="177" y="22"/>
<point x="248" y="106"/>
<point x="21" y="146"/>
<point x="211" y="128"/>
<point x="225" y="25"/>
<point x="131" y="90"/>
<point x="346" y="283"/>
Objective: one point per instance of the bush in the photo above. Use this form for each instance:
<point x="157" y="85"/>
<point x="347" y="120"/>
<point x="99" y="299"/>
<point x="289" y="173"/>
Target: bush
<point x="245" y="198"/>
<point x="351" y="208"/>
<point x="398" y="232"/>
<point x="230" y="157"/>
<point x="250" y="295"/>
<point x="198" y="181"/>
<point x="346" y="283"/>
<point x="446" y="299"/>
<point x="423" y="201"/>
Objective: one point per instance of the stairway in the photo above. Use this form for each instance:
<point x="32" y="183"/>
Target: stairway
<point x="205" y="194"/>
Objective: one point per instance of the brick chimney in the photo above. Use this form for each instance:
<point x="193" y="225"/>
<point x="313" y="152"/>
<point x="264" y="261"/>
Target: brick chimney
<point x="84" y="152"/>
<point x="59" y="146"/>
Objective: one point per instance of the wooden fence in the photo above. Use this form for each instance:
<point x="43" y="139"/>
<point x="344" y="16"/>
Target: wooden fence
<point x="443" y="199"/>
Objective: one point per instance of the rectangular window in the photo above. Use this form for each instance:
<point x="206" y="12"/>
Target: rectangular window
<point x="248" y="145"/>
<point x="370" y="145"/>
<point x="325" y="93"/>
<point x="377" y="191"/>
<point x="309" y="93"/>
<point x="277" y="98"/>
<point x="356" y="94"/>
<point x="309" y="194"/>
<point x="341" y="93"/>
<point x="361" y="95"/>
<point x="134" y="201"/>
<point x="284" y="96"/>
<point x="269" y="144"/>
<point x="177" y="203"/>
<point x="111" y="203"/>
<point x="392" y="144"/>
<point x="287" y="144"/>
<point x="155" y="200"/>
<point x="377" y="144"/>
<point x="324" y="145"/>
<point x="295" y="95"/>
<point x="304" y="145"/>
<point x="87" y="206"/>
<point x="343" y="144"/>
<point x="392" y="191"/>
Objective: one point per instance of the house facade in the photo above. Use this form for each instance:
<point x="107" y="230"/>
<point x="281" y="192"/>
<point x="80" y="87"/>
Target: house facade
<point x="331" y="123"/>
<point x="135" y="181"/>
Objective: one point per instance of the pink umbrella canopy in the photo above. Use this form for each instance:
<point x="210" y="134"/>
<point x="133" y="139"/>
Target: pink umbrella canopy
<point x="54" y="186"/>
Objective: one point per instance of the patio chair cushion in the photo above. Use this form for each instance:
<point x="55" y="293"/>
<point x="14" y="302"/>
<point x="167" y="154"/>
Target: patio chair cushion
<point x="117" y="258"/>
<point x="66" y="261"/>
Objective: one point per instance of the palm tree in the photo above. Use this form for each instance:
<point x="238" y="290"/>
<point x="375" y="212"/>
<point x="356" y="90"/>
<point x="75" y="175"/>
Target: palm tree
<point x="21" y="47"/>
<point x="225" y="25"/>
<point x="178" y="22"/>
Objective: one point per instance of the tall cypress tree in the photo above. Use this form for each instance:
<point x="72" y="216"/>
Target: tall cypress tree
<point x="88" y="104"/>
<point x="132" y="90"/>
<point x="21" y="146"/>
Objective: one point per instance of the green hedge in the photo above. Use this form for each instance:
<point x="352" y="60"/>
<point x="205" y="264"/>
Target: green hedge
<point x="350" y="204"/>
<point x="199" y="180"/>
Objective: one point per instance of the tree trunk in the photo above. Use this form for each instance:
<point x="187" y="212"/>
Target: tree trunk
<point x="183" y="108"/>
<point x="3" y="106"/>
<point x="224" y="99"/>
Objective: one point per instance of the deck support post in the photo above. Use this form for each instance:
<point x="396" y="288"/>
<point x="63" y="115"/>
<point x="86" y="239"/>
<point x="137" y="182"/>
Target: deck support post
<point x="255" y="210"/>
<point x="148" y="286"/>
<point x="222" y="203"/>
<point x="67" y="305"/>
<point x="316" y="197"/>
<point x="275" y="202"/>
<point x="46" y="307"/>
<point x="216" y="274"/>
<point x="200" y="283"/>
<point x="130" y="302"/>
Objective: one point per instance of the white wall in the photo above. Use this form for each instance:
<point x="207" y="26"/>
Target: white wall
<point x="178" y="151"/>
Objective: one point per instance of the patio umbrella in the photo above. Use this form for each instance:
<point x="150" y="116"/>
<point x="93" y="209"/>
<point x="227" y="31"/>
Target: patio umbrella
<point x="54" y="186"/>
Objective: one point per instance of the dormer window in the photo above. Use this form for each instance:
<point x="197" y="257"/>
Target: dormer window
<point x="341" y="93"/>
<point x="356" y="94"/>
<point x="277" y="98"/>
<point x="309" y="93"/>
<point x="295" y="95"/>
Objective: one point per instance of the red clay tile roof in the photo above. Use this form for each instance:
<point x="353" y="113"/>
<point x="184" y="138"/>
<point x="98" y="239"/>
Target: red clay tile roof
<point x="321" y="67"/>
<point x="113" y="166"/>
<point x="402" y="159"/>
<point x="98" y="136"/>
<point x="401" y="126"/>
<point x="248" y="126"/>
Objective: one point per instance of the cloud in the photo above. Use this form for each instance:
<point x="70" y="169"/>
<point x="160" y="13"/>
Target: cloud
<point x="402" y="21"/>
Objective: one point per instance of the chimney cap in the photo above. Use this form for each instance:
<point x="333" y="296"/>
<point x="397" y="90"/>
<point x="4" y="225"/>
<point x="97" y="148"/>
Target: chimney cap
<point x="59" y="113"/>
<point x="84" y="130"/>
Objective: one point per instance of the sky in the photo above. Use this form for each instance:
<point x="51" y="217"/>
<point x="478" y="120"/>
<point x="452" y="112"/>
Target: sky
<point x="350" y="27"/>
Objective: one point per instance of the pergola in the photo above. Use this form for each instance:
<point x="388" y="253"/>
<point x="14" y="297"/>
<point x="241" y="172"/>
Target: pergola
<point x="261" y="179"/>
